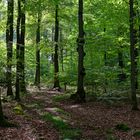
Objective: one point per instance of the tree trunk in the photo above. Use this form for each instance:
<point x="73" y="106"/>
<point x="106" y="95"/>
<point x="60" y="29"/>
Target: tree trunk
<point x="52" y="55"/>
<point x="61" y="50"/>
<point x="9" y="44"/>
<point x="20" y="75"/>
<point x="105" y="64"/>
<point x="136" y="58"/>
<point x="17" y="94"/>
<point x="37" y="75"/>
<point x="22" y="48"/>
<point x="121" y="75"/>
<point x="133" y="41"/>
<point x="56" y="65"/>
<point x="80" y="42"/>
<point x="1" y="111"/>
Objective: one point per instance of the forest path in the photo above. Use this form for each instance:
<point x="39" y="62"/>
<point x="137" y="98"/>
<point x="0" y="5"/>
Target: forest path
<point x="31" y="126"/>
<point x="94" y="120"/>
<point x="44" y="118"/>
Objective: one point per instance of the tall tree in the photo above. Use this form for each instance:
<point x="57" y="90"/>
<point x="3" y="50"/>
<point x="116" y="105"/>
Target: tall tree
<point x="20" y="50"/>
<point x="61" y="50"/>
<point x="37" y="75"/>
<point x="133" y="42"/>
<point x="56" y="37"/>
<point x="22" y="47"/>
<point x="80" y="42"/>
<point x="9" y="44"/>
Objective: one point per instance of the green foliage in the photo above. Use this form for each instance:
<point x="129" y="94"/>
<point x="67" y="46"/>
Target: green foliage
<point x="123" y="127"/>
<point x="114" y="97"/>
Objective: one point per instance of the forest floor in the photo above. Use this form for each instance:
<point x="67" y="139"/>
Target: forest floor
<point x="43" y="115"/>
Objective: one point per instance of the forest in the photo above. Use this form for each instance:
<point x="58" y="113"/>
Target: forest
<point x="69" y="70"/>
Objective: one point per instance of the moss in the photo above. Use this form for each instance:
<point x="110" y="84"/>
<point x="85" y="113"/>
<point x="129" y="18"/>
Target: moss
<point x="122" y="127"/>
<point x="18" y="110"/>
<point x="136" y="134"/>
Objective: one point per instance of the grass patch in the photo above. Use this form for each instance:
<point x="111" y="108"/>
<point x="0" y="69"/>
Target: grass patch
<point x="62" y="97"/>
<point x="63" y="127"/>
<point x="110" y="135"/>
<point x="35" y="105"/>
<point x="61" y="111"/>
<point x="122" y="127"/>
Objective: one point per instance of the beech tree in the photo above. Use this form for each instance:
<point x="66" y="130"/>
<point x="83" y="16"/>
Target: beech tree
<point x="133" y="52"/>
<point x="56" y="38"/>
<point x="9" y="44"/>
<point x="80" y="42"/>
<point x="37" y="74"/>
<point x="20" y="50"/>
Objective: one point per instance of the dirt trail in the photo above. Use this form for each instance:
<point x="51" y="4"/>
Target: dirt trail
<point x="96" y="120"/>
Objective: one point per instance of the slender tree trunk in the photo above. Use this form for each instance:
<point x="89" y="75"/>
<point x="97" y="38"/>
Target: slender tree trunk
<point x="61" y="50"/>
<point x="56" y="65"/>
<point x="22" y="48"/>
<point x="133" y="55"/>
<point x="52" y="55"/>
<point x="37" y="75"/>
<point x="17" y="94"/>
<point x="136" y="59"/>
<point x="81" y="54"/>
<point x="9" y="43"/>
<point x="105" y="64"/>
